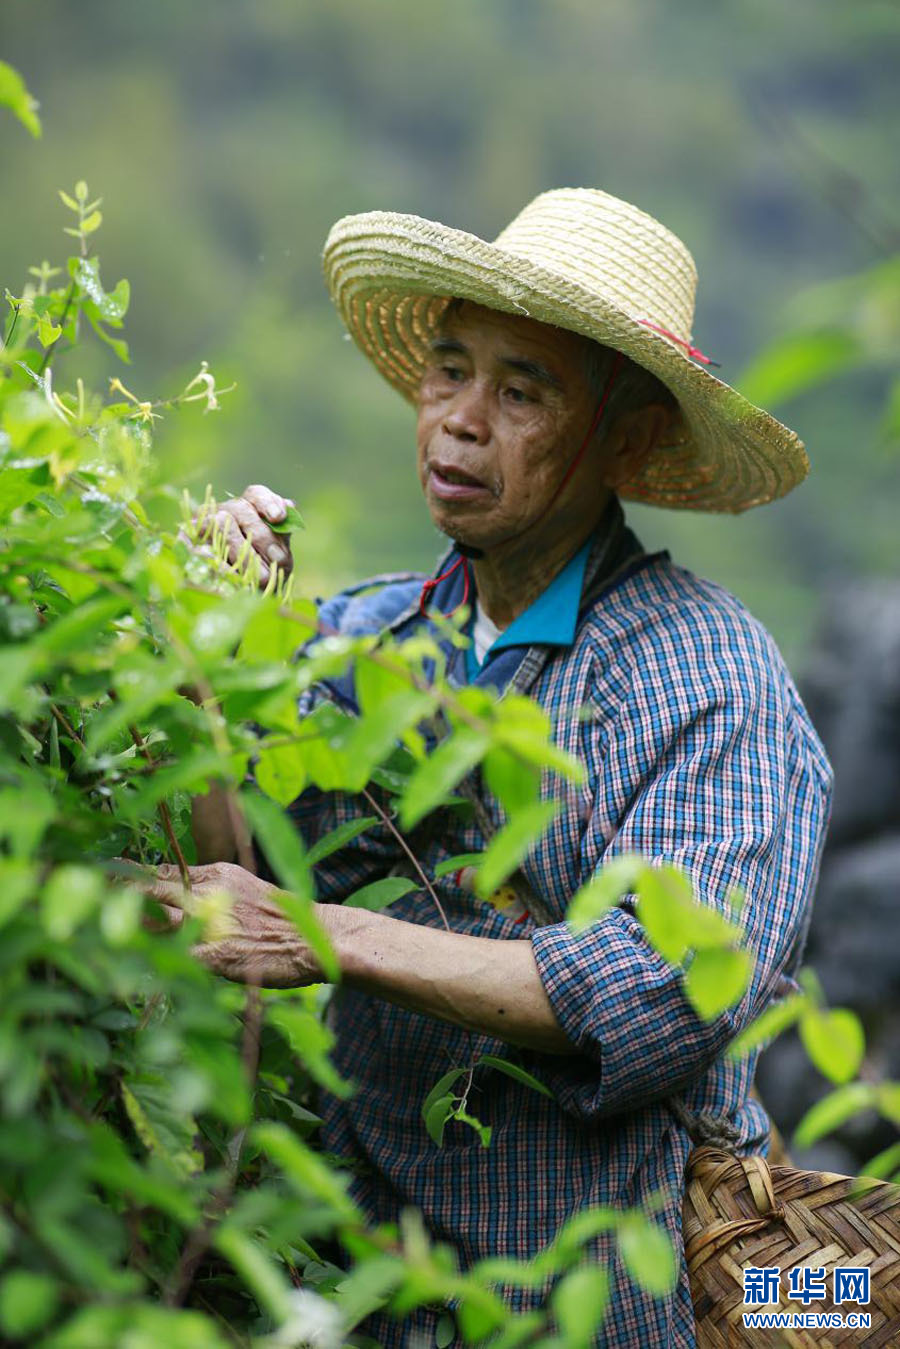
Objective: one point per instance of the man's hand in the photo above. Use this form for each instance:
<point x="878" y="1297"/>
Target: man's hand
<point x="249" y="939"/>
<point x="250" y="516"/>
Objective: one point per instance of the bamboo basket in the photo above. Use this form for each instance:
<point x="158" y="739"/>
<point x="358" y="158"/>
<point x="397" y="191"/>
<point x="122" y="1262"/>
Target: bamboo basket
<point x="740" y="1211"/>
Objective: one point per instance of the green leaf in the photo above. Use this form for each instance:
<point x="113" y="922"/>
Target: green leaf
<point x="437" y="775"/>
<point x="579" y="1302"/>
<point x="441" y="1088"/>
<point x="457" y="863"/>
<point x="835" y="1041"/>
<point x="373" y="737"/>
<point x="15" y="96"/>
<point x="311" y="1040"/>
<point x="445" y="1331"/>
<point x="716" y="979"/>
<point x="581" y="1228"/>
<point x="281" y="843"/>
<point x="647" y="1254"/>
<point x="70" y="895"/>
<point x="292" y="520"/>
<point x="26" y="811"/>
<point x="17" y="883"/>
<point x="525" y="728"/>
<point x="516" y="785"/>
<point x="887" y="1099"/>
<point x="834" y="1110"/>
<point x="664" y="897"/>
<point x="799" y="362"/>
<point x="614" y="879"/>
<point x="257" y="1269"/>
<point x="81" y="628"/>
<point x="512" y="844"/>
<point x="161" y="1126"/>
<point x="479" y="1313"/>
<point x="139" y="1325"/>
<point x="379" y="894"/>
<point x="339" y="838"/>
<point x="768" y="1025"/>
<point x="48" y="332"/>
<point x="514" y="1071"/>
<point x="281" y="770"/>
<point x="885" y="1165"/>
<point x="675" y="923"/>
<point x="309" y="1173"/>
<point x="27" y="1302"/>
<point x="367" y="1287"/>
<point x="436" y="1117"/>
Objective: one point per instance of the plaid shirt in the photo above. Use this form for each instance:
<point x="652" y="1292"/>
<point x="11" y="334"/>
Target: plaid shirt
<point x="699" y="753"/>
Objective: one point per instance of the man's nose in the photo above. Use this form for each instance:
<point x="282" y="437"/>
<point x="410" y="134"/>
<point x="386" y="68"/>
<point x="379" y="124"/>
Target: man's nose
<point x="467" y="417"/>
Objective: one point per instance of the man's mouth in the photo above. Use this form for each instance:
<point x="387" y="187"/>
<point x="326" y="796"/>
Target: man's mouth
<point x="454" y="484"/>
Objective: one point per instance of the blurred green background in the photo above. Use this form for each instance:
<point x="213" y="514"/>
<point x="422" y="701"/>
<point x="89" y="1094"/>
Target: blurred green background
<point x="225" y="137"/>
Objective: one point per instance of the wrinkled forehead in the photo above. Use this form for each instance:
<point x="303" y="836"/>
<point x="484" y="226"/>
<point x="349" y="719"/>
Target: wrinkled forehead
<point x="514" y="334"/>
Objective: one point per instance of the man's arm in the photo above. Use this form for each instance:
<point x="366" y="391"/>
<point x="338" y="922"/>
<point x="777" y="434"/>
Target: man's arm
<point x="484" y="984"/>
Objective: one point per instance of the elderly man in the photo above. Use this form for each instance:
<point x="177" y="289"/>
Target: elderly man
<point x="553" y="375"/>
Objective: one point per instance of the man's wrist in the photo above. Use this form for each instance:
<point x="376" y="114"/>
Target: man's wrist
<point x="352" y="933"/>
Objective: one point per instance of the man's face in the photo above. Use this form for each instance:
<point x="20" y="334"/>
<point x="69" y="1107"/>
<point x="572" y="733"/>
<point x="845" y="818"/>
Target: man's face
<point x="503" y="407"/>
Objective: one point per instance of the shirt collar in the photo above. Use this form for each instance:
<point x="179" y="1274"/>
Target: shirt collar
<point x="551" y="619"/>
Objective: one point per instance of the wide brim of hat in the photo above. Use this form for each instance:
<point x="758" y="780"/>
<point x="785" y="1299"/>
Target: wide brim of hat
<point x="390" y="276"/>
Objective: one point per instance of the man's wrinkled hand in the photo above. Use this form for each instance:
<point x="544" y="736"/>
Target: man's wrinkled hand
<point x="250" y="517"/>
<point x="247" y="937"/>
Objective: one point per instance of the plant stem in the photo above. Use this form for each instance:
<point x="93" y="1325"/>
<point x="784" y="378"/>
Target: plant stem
<point x="386" y="819"/>
<point x="51" y="350"/>
<point x="162" y="808"/>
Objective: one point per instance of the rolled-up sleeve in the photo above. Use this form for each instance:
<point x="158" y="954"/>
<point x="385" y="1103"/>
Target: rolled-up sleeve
<point x="718" y="773"/>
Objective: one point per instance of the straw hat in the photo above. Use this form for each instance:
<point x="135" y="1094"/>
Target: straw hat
<point x="583" y="260"/>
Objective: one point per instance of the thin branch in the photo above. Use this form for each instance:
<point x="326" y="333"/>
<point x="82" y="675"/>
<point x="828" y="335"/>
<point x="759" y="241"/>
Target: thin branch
<point x="66" y="725"/>
<point x="51" y="350"/>
<point x="12" y="327"/>
<point x="162" y="808"/>
<point x="386" y="819"/>
<point x="198" y="1240"/>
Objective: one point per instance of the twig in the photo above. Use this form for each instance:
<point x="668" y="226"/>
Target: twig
<point x="12" y="327"/>
<point x="386" y="819"/>
<point x="198" y="1240"/>
<point x="51" y="350"/>
<point x="162" y="808"/>
<point x="66" y="725"/>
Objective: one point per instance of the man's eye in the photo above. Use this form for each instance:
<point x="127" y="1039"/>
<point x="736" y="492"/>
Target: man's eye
<point x="452" y="372"/>
<point x="516" y="395"/>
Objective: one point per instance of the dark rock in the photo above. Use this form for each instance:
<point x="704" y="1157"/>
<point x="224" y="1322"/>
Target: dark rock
<point x="852" y="690"/>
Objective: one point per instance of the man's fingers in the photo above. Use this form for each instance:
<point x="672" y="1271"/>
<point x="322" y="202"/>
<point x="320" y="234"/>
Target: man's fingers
<point x="165" y="892"/>
<point x="267" y="502"/>
<point x="270" y="547"/>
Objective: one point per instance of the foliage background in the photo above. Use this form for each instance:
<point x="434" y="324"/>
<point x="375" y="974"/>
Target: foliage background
<point x="225" y="139"/>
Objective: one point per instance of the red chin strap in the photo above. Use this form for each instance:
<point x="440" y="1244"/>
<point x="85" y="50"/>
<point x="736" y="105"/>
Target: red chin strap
<point x="430" y="586"/>
<point x="614" y="371"/>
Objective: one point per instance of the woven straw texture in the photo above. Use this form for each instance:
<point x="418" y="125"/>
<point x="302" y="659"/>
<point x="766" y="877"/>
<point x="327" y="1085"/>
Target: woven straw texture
<point x="582" y="260"/>
<point x="741" y="1211"/>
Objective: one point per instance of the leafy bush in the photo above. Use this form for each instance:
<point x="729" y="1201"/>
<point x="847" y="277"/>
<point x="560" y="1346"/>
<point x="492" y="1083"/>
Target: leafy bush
<point x="159" y="1180"/>
<point x="156" y="1121"/>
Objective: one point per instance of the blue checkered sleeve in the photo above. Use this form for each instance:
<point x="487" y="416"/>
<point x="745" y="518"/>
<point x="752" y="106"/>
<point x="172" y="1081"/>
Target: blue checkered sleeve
<point x="708" y="766"/>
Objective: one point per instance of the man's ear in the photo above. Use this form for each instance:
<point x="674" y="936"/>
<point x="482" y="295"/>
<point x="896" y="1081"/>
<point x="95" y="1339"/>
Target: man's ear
<point x="632" y="440"/>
